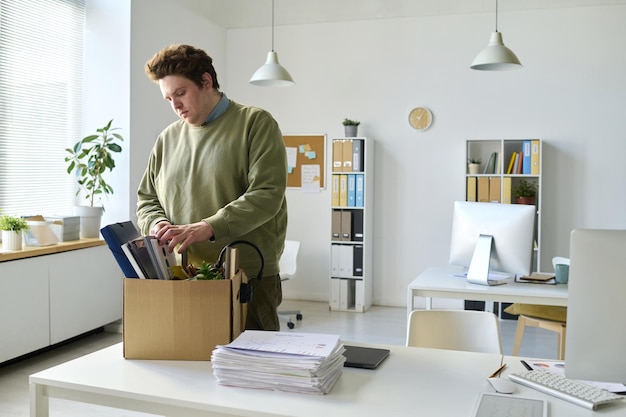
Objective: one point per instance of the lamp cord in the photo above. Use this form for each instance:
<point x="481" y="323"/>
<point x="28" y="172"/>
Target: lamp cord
<point x="273" y="25"/>
<point x="496" y="20"/>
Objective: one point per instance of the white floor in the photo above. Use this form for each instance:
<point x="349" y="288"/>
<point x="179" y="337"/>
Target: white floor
<point x="384" y="325"/>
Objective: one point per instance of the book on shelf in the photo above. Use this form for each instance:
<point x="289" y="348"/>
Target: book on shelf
<point x="526" y="163"/>
<point x="509" y="169"/>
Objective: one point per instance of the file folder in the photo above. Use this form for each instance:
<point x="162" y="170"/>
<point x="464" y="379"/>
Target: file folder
<point x="357" y="261"/>
<point x="471" y="189"/>
<point x="336" y="225"/>
<point x="346" y="261"/>
<point x="534" y="156"/>
<point x="335" y="293"/>
<point x="357" y="225"/>
<point x="343" y="190"/>
<point x="357" y="155"/>
<point x="360" y="190"/>
<point x="526" y="160"/>
<point x="483" y="189"/>
<point x="494" y="189"/>
<point x="335" y="259"/>
<point x="506" y="190"/>
<point x="347" y="155"/>
<point x="346" y="225"/>
<point x="115" y="235"/>
<point x="337" y="155"/>
<point x="351" y="190"/>
<point x="335" y="190"/>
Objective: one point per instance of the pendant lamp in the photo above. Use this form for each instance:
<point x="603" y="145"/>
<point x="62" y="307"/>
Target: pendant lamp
<point x="496" y="56"/>
<point x="272" y="74"/>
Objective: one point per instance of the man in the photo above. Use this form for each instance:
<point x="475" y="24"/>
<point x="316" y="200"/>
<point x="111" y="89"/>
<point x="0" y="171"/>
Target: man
<point x="215" y="176"/>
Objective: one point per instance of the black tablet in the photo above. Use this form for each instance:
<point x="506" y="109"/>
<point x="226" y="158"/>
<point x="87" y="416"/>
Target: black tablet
<point x="364" y="357"/>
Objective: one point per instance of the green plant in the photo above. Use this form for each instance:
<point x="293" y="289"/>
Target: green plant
<point x="13" y="223"/>
<point x="207" y="271"/>
<point x="349" y="122"/>
<point x="90" y="157"/>
<point x="526" y="189"/>
<point x="473" y="161"/>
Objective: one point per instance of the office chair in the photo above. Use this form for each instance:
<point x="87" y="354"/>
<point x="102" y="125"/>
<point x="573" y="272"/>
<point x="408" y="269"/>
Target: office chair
<point x="468" y="330"/>
<point x="288" y="266"/>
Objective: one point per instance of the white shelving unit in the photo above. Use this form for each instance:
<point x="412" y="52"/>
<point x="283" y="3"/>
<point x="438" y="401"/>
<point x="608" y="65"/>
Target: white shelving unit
<point x="352" y="224"/>
<point x="500" y="186"/>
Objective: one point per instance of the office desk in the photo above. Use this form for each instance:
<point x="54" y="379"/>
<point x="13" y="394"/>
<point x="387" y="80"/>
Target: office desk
<point x="440" y="282"/>
<point x="411" y="381"/>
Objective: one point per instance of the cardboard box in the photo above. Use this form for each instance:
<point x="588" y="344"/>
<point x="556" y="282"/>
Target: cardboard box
<point x="181" y="320"/>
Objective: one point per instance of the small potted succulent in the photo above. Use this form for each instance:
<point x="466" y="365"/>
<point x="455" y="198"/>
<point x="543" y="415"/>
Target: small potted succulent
<point x="526" y="192"/>
<point x="350" y="127"/>
<point x="12" y="230"/>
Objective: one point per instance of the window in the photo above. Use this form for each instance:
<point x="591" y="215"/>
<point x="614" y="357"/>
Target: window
<point x="41" y="64"/>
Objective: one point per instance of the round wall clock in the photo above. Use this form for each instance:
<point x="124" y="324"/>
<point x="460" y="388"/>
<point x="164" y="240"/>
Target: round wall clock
<point x="420" y="118"/>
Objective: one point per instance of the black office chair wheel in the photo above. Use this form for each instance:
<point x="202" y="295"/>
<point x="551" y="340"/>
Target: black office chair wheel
<point x="291" y="325"/>
<point x="298" y="317"/>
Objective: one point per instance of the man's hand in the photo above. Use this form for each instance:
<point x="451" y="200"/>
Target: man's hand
<point x="185" y="234"/>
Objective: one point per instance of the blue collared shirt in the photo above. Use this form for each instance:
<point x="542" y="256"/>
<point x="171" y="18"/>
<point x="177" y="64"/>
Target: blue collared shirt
<point x="219" y="109"/>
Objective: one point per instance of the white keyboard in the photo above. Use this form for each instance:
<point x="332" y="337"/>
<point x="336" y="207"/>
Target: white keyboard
<point x="570" y="390"/>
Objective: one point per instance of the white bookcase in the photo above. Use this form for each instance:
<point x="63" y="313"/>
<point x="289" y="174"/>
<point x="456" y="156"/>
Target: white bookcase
<point x="494" y="183"/>
<point x="352" y="223"/>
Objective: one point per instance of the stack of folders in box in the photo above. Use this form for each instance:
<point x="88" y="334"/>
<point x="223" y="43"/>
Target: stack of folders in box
<point x="138" y="256"/>
<point x="284" y="361"/>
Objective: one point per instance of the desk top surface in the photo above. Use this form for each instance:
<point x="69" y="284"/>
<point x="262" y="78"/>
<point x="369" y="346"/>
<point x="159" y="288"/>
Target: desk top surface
<point x="435" y="382"/>
<point x="31" y="251"/>
<point x="442" y="279"/>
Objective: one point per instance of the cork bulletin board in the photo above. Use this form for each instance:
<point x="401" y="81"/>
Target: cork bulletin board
<point x="306" y="155"/>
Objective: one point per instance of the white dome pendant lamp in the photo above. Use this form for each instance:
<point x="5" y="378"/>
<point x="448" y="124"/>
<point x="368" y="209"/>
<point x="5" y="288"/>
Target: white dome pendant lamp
<point x="272" y="74"/>
<point x="496" y="56"/>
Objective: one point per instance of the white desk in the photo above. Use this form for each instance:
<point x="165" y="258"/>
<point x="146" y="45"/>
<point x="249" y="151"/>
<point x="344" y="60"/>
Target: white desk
<point x="440" y="282"/>
<point x="412" y="381"/>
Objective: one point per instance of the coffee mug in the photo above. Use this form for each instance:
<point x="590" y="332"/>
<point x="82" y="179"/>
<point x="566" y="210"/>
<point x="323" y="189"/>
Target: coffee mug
<point x="561" y="273"/>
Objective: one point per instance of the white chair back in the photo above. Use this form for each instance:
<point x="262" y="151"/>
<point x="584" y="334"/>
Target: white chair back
<point x="288" y="260"/>
<point x="474" y="331"/>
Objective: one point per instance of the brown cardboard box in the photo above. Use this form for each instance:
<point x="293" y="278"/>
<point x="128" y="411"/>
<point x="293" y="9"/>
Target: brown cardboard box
<point x="181" y="320"/>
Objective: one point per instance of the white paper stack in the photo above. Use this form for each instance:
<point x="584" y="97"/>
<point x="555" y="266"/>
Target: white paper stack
<point x="284" y="361"/>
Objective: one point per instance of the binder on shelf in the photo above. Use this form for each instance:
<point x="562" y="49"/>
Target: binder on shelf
<point x="337" y="155"/>
<point x="359" y="295"/>
<point x="471" y="189"/>
<point x="346" y="225"/>
<point x="335" y="293"/>
<point x="506" y="190"/>
<point x="526" y="160"/>
<point x="351" y="190"/>
<point x="335" y="190"/>
<point x="357" y="261"/>
<point x="360" y="190"/>
<point x="115" y="235"/>
<point x="482" y="193"/>
<point x="343" y="190"/>
<point x="346" y="261"/>
<point x="494" y="189"/>
<point x="347" y="155"/>
<point x="343" y="294"/>
<point x="357" y="155"/>
<point x="336" y="225"/>
<point x="335" y="258"/>
<point x="534" y="157"/>
<point x="357" y="225"/>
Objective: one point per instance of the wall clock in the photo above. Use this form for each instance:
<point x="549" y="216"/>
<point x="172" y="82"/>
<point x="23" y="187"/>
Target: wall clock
<point x="420" y="118"/>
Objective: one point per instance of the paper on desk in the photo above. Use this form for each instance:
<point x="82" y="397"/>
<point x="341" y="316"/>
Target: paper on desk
<point x="558" y="367"/>
<point x="306" y="344"/>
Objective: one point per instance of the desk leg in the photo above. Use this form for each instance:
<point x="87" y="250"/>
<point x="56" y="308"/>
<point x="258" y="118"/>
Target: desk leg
<point x="38" y="401"/>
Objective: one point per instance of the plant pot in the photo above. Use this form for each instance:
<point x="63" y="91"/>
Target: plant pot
<point x="350" y="131"/>
<point x="525" y="200"/>
<point x="90" y="218"/>
<point x="11" y="240"/>
<point x="473" y="169"/>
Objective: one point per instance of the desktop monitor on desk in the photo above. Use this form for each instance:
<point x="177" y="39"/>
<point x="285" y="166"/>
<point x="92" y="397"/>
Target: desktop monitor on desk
<point x="596" y="307"/>
<point x="490" y="238"/>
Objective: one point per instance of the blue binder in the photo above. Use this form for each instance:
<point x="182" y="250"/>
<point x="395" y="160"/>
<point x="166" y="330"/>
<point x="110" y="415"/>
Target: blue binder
<point x="115" y="236"/>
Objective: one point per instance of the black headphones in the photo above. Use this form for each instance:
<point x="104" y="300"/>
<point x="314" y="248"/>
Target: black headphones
<point x="246" y="289"/>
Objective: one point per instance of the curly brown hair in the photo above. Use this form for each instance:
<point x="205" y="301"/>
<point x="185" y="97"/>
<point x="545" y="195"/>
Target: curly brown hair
<point x="185" y="60"/>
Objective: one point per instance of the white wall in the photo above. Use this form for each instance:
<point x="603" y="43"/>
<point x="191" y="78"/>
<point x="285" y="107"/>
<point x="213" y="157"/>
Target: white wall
<point x="570" y="94"/>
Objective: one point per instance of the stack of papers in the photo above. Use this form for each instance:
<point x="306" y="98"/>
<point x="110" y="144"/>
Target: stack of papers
<point x="284" y="361"/>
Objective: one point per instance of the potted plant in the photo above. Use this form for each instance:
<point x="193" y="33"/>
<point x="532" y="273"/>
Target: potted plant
<point x="88" y="160"/>
<point x="526" y="192"/>
<point x="350" y="127"/>
<point x="12" y="229"/>
<point x="473" y="166"/>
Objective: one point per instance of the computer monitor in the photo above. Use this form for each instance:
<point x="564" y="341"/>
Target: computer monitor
<point x="492" y="237"/>
<point x="596" y="306"/>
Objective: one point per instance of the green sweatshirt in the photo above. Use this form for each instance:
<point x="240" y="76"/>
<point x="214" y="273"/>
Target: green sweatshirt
<point x="230" y="173"/>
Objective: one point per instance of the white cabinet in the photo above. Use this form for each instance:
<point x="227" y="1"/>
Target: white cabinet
<point x="352" y="224"/>
<point x="53" y="297"/>
<point x="499" y="177"/>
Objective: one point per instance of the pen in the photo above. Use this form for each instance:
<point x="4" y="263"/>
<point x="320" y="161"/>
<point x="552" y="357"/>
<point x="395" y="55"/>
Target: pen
<point x="497" y="371"/>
